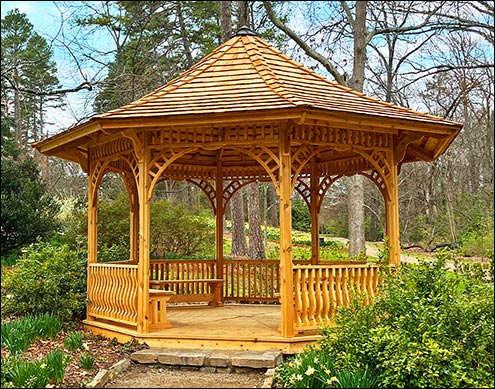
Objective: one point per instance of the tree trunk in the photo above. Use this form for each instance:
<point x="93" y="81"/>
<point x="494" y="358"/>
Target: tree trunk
<point x="256" y="248"/>
<point x="355" y="199"/>
<point x="226" y="20"/>
<point x="243" y="14"/>
<point x="239" y="246"/>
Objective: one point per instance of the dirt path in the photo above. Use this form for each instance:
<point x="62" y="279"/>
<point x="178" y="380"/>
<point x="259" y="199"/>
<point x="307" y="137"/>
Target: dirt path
<point x="153" y="376"/>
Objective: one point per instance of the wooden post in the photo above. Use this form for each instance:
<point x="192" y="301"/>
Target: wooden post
<point x="286" y="277"/>
<point x="92" y="224"/>
<point x="392" y="214"/>
<point x="144" y="237"/>
<point x="219" y="211"/>
<point x="315" y="228"/>
<point x="134" y="228"/>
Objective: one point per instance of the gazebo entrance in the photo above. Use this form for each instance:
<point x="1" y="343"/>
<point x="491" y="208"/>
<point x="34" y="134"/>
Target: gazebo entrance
<point x="245" y="113"/>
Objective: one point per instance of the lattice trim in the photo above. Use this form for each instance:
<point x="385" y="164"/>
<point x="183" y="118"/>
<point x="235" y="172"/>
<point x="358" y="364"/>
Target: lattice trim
<point x="160" y="162"/>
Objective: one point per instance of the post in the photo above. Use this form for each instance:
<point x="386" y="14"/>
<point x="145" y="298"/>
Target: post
<point x="286" y="276"/>
<point x="144" y="236"/>
<point x="313" y="209"/>
<point x="392" y="214"/>
<point x="219" y="212"/>
<point x="92" y="226"/>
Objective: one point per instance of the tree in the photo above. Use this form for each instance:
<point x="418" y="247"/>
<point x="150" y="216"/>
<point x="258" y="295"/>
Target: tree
<point x="256" y="248"/>
<point x="28" y="78"/>
<point x="28" y="211"/>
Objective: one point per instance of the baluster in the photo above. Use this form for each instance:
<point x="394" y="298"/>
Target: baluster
<point x="325" y="284"/>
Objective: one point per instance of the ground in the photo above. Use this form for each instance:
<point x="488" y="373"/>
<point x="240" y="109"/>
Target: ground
<point x="153" y="376"/>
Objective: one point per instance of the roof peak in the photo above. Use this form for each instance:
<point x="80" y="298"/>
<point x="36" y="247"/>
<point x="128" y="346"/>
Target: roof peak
<point x="245" y="30"/>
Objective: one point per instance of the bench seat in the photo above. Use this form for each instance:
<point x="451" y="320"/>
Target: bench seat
<point x="192" y="290"/>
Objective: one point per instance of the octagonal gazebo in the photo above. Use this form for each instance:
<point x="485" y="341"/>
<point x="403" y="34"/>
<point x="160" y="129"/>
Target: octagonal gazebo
<point x="245" y="113"/>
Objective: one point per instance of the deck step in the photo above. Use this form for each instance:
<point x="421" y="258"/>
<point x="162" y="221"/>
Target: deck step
<point x="209" y="360"/>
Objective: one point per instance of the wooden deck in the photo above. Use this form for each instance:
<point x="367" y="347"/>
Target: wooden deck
<point x="233" y="326"/>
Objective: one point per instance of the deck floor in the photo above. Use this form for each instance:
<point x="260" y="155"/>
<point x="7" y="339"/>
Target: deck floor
<point x="234" y="326"/>
<point x="239" y="320"/>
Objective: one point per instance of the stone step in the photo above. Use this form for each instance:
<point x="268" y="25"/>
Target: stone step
<point x="209" y="360"/>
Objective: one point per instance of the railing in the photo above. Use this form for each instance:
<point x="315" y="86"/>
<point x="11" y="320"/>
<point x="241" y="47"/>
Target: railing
<point x="164" y="269"/>
<point x="320" y="289"/>
<point x="244" y="280"/>
<point x="251" y="280"/>
<point x="113" y="292"/>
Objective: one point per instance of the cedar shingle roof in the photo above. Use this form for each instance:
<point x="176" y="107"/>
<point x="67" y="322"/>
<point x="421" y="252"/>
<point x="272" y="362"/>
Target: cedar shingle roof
<point x="247" y="74"/>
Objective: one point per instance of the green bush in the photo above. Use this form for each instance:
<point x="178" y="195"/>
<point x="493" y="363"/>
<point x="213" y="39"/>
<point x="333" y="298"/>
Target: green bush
<point x="430" y="327"/>
<point x="175" y="230"/>
<point x="50" y="279"/>
<point x="301" y="218"/>
<point x="28" y="211"/>
<point x="314" y="369"/>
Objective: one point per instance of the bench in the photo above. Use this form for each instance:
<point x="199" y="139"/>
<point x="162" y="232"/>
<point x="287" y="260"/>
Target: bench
<point x="158" y="300"/>
<point x="192" y="290"/>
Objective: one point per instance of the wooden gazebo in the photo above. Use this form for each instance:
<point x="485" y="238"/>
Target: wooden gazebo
<point x="245" y="113"/>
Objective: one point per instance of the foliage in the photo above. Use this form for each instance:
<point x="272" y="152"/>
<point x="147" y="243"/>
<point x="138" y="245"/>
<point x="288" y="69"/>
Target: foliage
<point x="429" y="327"/>
<point x="56" y="362"/>
<point x="301" y="219"/>
<point x="176" y="230"/>
<point x="86" y="361"/>
<point x="19" y="373"/>
<point x="73" y="340"/>
<point x="27" y="65"/>
<point x="18" y="334"/>
<point x="315" y="369"/>
<point x="28" y="211"/>
<point x="50" y="279"/>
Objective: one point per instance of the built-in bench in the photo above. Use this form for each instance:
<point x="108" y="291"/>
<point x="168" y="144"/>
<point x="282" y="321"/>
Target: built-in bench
<point x="192" y="290"/>
<point x="158" y="309"/>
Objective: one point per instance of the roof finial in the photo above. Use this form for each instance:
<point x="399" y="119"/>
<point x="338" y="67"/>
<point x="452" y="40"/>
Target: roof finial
<point x="245" y="30"/>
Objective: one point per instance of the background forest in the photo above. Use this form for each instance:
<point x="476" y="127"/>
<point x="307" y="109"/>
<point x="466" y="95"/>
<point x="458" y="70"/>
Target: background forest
<point x="434" y="57"/>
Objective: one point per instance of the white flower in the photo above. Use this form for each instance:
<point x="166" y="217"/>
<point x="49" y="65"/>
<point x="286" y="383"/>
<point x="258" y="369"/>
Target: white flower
<point x="310" y="371"/>
<point x="330" y="381"/>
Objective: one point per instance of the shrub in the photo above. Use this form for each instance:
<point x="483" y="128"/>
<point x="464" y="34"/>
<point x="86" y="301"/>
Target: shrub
<point x="314" y="369"/>
<point x="429" y="327"/>
<point x="175" y="230"/>
<point x="50" y="279"/>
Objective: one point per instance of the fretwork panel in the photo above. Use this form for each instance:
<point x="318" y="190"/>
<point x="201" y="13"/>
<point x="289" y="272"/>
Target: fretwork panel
<point x="340" y="136"/>
<point x="111" y="149"/>
<point x="214" y="134"/>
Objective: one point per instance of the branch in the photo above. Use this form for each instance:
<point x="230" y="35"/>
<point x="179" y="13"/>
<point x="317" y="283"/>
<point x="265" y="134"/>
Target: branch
<point x="308" y="50"/>
<point x="85" y="85"/>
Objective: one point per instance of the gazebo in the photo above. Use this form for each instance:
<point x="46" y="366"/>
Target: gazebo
<point x="244" y="113"/>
